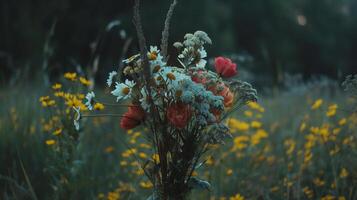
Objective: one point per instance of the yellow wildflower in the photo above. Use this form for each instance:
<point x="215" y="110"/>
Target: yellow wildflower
<point x="81" y="96"/>
<point x="318" y="182"/>
<point x="47" y="102"/>
<point x="331" y="110"/>
<point x="333" y="107"/>
<point x="248" y="113"/>
<point x="139" y="172"/>
<point x="240" y="142"/>
<point x="302" y="127"/>
<point x="209" y="161"/>
<point x="235" y="124"/>
<point x="229" y="172"/>
<point x="156" y="158"/>
<point x="328" y="197"/>
<point x="348" y="140"/>
<point x="73" y="101"/>
<point x="290" y="144"/>
<point x="59" y="94"/>
<point x="288" y="182"/>
<point x="44" y="98"/>
<point x="274" y="189"/>
<point x="315" y="130"/>
<point x="145" y="146"/>
<point x="101" y="196"/>
<point x="146" y="184"/>
<point x="259" y="116"/>
<point x="113" y="196"/>
<point x="84" y="81"/>
<point x="307" y="157"/>
<point x="127" y="153"/>
<point x="343" y="173"/>
<point x="255" y="124"/>
<point x="57" y="132"/>
<point x="123" y="163"/>
<point x="98" y="106"/>
<point x="136" y="134"/>
<point x="237" y="197"/>
<point x="333" y="185"/>
<point x="56" y="86"/>
<point x="342" y="121"/>
<point x="50" y="142"/>
<point x="259" y="134"/>
<point x="317" y="104"/>
<point x="334" y="151"/>
<point x="70" y="76"/>
<point x="143" y="155"/>
<point x="330" y="113"/>
<point x="109" y="149"/>
<point x="256" y="106"/>
<point x="308" y="192"/>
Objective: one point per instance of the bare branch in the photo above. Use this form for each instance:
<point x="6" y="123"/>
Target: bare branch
<point x="141" y="40"/>
<point x="165" y="32"/>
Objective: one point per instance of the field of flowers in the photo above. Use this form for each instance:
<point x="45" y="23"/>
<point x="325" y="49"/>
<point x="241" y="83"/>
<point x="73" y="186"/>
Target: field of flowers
<point x="295" y="144"/>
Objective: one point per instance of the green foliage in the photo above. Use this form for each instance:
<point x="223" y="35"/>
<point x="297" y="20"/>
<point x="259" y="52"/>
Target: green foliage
<point x="269" y="169"/>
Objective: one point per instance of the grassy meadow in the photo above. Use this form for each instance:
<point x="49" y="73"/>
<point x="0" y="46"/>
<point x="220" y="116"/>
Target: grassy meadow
<point x="293" y="144"/>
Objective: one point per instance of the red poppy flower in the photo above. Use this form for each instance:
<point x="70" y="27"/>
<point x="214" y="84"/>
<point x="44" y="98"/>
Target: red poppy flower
<point x="132" y="118"/>
<point x="127" y="122"/>
<point x="225" y="93"/>
<point x="179" y="114"/>
<point x="228" y="96"/>
<point x="136" y="112"/>
<point x="225" y="67"/>
<point x="199" y="78"/>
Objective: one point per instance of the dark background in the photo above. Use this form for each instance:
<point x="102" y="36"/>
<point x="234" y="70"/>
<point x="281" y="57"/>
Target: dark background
<point x="309" y="37"/>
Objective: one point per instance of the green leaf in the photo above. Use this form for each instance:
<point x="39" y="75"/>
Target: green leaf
<point x="199" y="184"/>
<point x="154" y="196"/>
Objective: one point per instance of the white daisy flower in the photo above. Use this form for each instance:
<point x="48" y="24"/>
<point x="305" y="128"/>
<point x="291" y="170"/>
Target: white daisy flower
<point x="77" y="117"/>
<point x="131" y="59"/>
<point x="154" y="49"/>
<point x="144" y="100"/>
<point x="90" y="96"/>
<point x="157" y="65"/>
<point x="153" y="54"/>
<point x="203" y="54"/>
<point x="123" y="90"/>
<point x="110" y="78"/>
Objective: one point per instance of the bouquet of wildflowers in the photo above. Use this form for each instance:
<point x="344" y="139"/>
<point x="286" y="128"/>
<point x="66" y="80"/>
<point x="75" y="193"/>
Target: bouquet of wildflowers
<point x="183" y="107"/>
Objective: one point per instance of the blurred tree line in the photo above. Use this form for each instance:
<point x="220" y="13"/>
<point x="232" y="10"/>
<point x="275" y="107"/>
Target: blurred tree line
<point x="295" y="36"/>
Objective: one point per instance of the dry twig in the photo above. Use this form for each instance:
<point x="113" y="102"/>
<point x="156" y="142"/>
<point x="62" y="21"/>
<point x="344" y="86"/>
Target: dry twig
<point x="165" y="32"/>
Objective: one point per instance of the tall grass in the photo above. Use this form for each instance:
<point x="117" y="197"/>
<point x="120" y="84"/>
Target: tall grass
<point x="269" y="169"/>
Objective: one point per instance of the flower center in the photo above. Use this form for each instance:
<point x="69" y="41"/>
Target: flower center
<point x="156" y="68"/>
<point x="126" y="90"/>
<point x="171" y="76"/>
<point x="178" y="93"/>
<point x="153" y="56"/>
